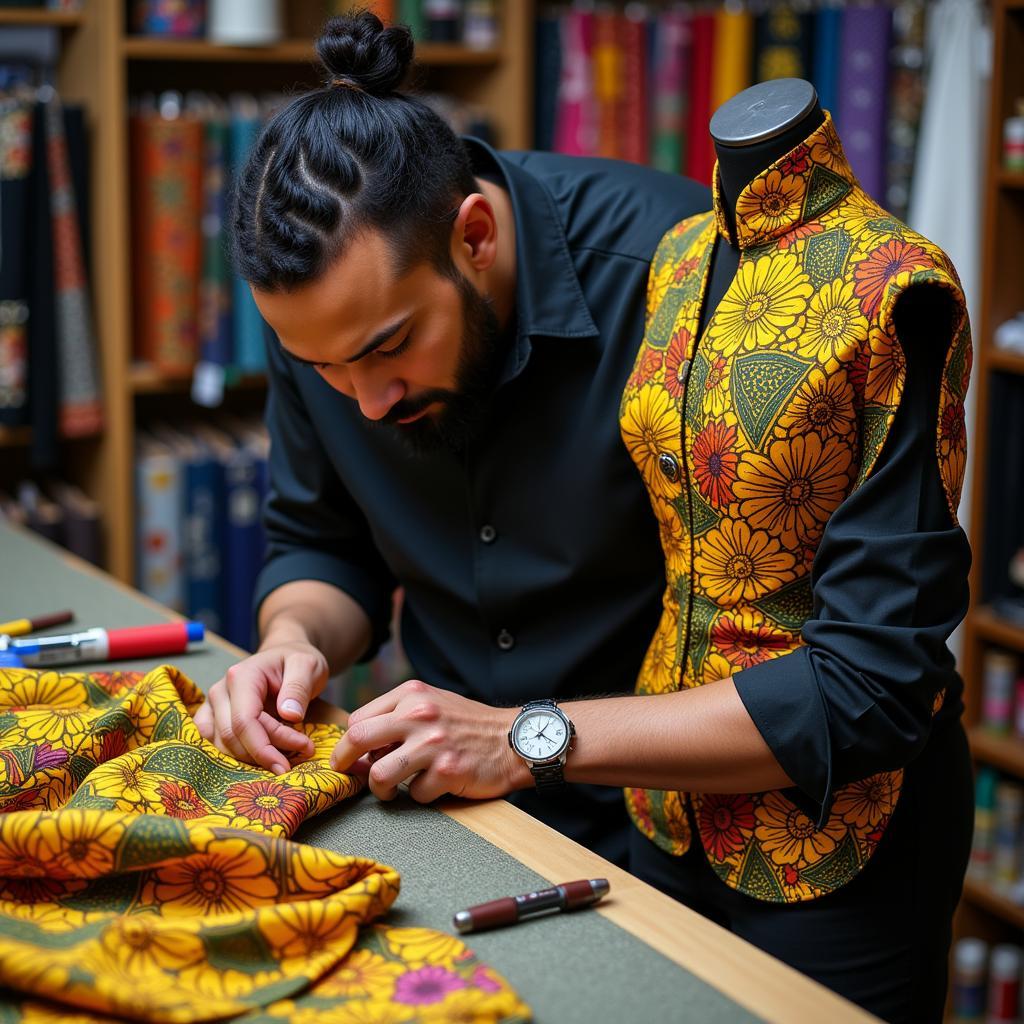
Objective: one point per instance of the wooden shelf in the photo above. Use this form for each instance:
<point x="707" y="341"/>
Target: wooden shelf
<point x="1011" y="179"/>
<point x="1003" y="752"/>
<point x="996" y="629"/>
<point x="15" y="437"/>
<point x="991" y="899"/>
<point x="150" y="380"/>
<point x="293" y="51"/>
<point x="1000" y="359"/>
<point x="36" y="16"/>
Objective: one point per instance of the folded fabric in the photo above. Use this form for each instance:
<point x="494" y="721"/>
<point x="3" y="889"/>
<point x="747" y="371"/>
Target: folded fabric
<point x="146" y="874"/>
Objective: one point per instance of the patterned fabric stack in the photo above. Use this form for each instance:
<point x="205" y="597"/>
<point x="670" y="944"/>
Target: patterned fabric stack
<point x="145" y="874"/>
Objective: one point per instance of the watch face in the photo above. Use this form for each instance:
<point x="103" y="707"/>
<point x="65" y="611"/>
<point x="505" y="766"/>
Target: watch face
<point x="540" y="735"/>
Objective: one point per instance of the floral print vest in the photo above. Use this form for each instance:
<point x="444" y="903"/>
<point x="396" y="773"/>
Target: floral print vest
<point x="748" y="438"/>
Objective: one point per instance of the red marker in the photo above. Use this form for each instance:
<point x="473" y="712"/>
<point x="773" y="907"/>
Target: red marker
<point x="108" y="644"/>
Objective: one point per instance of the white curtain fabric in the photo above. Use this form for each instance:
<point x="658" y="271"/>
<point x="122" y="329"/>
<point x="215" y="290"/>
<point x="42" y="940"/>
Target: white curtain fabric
<point x="946" y="195"/>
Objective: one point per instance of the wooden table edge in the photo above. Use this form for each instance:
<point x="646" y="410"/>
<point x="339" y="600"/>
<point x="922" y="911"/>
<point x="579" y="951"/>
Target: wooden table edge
<point x="745" y="974"/>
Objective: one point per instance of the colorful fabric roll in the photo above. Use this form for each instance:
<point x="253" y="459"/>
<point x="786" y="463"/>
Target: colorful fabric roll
<point x="215" y="325"/>
<point x="734" y="46"/>
<point x="906" y="100"/>
<point x="671" y="90"/>
<point x="15" y="165"/>
<point x="81" y="412"/>
<point x="782" y="44"/>
<point x="547" y="44"/>
<point x="827" y="33"/>
<point x="166" y="179"/>
<point x="700" y="153"/>
<point x="636" y="132"/>
<point x="248" y="328"/>
<point x="863" y="87"/>
<point x="575" y="122"/>
<point x="609" y="80"/>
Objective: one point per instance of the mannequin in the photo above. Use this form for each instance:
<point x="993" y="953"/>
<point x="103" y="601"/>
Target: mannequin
<point x="751" y="131"/>
<point x="804" y="461"/>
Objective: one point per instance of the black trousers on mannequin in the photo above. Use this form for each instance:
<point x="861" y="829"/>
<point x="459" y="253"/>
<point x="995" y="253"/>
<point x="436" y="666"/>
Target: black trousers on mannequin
<point x="881" y="941"/>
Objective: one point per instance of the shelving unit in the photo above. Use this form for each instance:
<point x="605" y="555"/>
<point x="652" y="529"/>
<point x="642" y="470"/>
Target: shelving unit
<point x="293" y="51"/>
<point x="985" y="910"/>
<point x="34" y="16"/>
<point x="101" y="66"/>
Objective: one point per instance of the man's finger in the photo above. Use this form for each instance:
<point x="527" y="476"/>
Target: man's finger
<point x="284" y="737"/>
<point x="299" y="681"/>
<point x="428" y="786"/>
<point x="362" y="737"/>
<point x="204" y="721"/>
<point x="387" y="702"/>
<point x="246" y="709"/>
<point x="224" y="734"/>
<point x="389" y="771"/>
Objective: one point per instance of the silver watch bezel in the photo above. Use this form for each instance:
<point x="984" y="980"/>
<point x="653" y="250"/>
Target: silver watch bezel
<point x="570" y="733"/>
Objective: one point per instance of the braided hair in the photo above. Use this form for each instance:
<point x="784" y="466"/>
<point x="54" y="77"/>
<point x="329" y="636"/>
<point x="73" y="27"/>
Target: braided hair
<point x="356" y="154"/>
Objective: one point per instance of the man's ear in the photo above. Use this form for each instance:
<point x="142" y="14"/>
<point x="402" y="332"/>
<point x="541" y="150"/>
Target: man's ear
<point x="475" y="234"/>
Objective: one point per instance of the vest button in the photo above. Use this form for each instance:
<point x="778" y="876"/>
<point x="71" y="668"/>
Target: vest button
<point x="488" y="534"/>
<point x="669" y="467"/>
<point x="506" y="641"/>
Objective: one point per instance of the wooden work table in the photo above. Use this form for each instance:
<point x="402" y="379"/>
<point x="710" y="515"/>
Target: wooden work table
<point x="637" y="956"/>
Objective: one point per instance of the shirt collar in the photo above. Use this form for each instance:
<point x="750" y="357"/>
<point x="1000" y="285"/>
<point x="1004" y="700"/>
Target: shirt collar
<point x="800" y="186"/>
<point x="549" y="300"/>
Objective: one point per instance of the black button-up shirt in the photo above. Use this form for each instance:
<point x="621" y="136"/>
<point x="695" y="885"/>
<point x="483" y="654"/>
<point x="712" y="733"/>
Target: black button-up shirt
<point x="531" y="566"/>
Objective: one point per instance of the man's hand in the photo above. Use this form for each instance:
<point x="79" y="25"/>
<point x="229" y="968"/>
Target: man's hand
<point x="245" y="711"/>
<point x="450" y="743"/>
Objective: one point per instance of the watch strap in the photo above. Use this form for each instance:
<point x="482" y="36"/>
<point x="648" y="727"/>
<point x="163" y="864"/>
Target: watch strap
<point x="548" y="777"/>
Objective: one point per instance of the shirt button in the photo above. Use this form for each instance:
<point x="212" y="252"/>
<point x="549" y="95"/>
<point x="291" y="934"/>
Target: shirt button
<point x="506" y="641"/>
<point x="683" y="372"/>
<point x="488" y="534"/>
<point x="669" y="467"/>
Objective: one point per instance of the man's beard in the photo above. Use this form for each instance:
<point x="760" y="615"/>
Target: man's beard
<point x="464" y="407"/>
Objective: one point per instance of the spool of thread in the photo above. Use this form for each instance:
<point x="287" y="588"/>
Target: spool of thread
<point x="969" y="956"/>
<point x="999" y="673"/>
<point x="1004" y="985"/>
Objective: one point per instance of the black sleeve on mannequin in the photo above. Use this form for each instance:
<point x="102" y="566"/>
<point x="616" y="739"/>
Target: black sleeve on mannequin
<point x="890" y="586"/>
<point x="315" y="530"/>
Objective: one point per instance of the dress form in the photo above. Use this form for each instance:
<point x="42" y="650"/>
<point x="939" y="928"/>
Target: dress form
<point x="751" y="131"/>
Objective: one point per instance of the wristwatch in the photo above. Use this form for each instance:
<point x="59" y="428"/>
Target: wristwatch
<point x="542" y="736"/>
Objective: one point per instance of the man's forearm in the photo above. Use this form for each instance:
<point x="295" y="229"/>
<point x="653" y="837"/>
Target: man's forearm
<point x="700" y="739"/>
<point x="313" y="612"/>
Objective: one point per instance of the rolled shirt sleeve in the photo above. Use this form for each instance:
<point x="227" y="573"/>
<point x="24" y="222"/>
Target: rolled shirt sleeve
<point x="890" y="586"/>
<point x="315" y="530"/>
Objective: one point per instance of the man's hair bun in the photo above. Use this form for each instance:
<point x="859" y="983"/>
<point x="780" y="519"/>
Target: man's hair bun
<point x="358" y="49"/>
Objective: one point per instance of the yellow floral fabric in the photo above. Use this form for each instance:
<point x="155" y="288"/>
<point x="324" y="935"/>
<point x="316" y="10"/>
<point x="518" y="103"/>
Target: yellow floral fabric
<point x="748" y="439"/>
<point x="145" y="874"/>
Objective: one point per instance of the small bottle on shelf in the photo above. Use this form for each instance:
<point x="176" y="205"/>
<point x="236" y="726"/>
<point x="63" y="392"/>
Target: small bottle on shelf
<point x="968" y="983"/>
<point x="1004" y="985"/>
